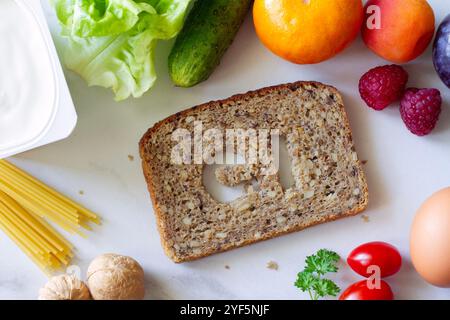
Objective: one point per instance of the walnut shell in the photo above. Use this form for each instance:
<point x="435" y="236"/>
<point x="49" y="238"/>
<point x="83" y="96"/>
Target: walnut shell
<point x="115" y="277"/>
<point x="64" y="287"/>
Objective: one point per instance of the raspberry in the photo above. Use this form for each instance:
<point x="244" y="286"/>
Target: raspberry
<point x="381" y="86"/>
<point x="420" y="110"/>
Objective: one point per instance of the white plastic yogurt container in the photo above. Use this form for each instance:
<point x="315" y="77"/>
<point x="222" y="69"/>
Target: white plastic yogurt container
<point x="35" y="103"/>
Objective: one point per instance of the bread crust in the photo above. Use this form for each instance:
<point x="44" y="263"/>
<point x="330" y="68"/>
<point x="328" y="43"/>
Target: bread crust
<point x="161" y="223"/>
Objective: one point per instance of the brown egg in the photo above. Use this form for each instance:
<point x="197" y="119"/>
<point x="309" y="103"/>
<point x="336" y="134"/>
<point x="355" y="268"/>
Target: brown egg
<point x="430" y="239"/>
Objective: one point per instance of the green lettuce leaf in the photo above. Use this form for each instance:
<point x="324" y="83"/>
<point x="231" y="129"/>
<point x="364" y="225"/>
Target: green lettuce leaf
<point x="110" y="43"/>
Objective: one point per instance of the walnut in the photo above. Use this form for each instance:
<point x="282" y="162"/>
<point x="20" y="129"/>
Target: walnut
<point x="64" y="287"/>
<point x="115" y="277"/>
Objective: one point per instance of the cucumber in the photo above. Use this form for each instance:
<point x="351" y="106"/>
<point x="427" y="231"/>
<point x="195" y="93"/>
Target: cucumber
<point x="207" y="34"/>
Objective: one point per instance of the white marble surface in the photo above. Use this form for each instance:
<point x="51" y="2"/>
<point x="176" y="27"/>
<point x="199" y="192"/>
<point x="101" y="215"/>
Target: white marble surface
<point x="402" y="171"/>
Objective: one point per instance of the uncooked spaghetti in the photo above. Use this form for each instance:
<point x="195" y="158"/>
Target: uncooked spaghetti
<point x="25" y="206"/>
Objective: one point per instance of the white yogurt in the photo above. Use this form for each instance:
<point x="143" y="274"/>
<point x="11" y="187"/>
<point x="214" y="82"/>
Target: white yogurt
<point x="27" y="80"/>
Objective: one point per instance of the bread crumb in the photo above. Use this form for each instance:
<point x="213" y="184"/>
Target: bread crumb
<point x="81" y="192"/>
<point x="227" y="267"/>
<point x="365" y="218"/>
<point x="130" y="157"/>
<point x="364" y="162"/>
<point x="272" y="265"/>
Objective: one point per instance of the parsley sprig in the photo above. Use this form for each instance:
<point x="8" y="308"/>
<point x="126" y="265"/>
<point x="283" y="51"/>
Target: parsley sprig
<point x="311" y="278"/>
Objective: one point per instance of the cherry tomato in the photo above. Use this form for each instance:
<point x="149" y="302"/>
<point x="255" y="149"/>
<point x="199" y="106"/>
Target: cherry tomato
<point x="380" y="254"/>
<point x="362" y="291"/>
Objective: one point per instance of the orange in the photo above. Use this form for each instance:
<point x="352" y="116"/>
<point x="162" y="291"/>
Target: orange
<point x="307" y="31"/>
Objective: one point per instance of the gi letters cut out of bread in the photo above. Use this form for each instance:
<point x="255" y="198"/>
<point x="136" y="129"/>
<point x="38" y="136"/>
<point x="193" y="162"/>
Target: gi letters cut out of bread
<point x="329" y="179"/>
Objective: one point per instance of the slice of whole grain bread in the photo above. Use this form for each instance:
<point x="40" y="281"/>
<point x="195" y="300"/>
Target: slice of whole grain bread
<point x="329" y="179"/>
